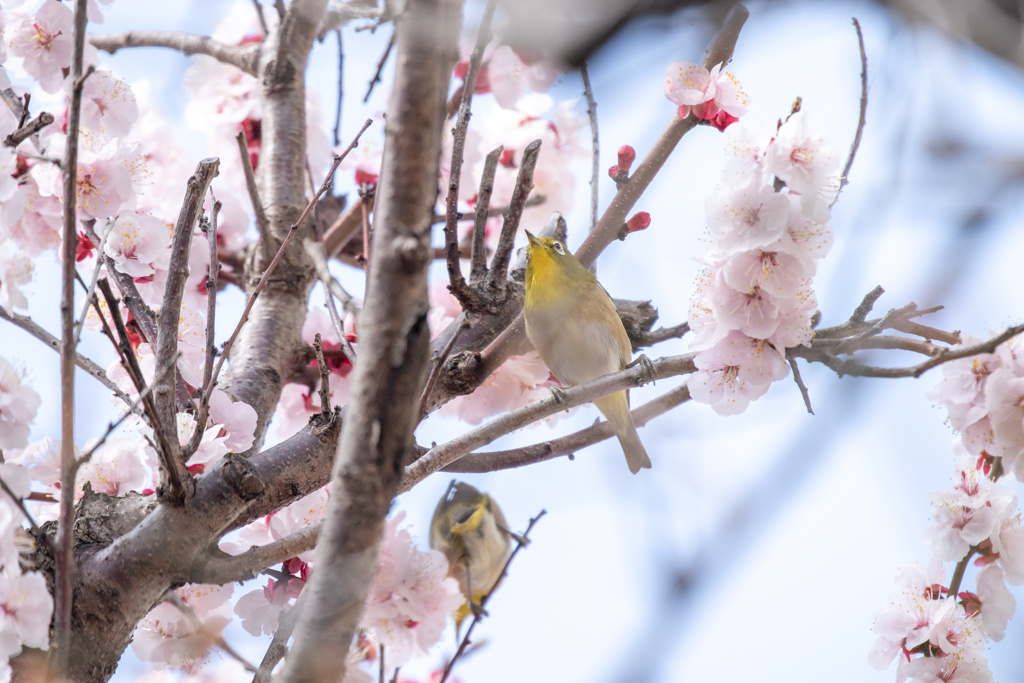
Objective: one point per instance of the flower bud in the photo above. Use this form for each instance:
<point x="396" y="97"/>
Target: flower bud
<point x="639" y="221"/>
<point x="626" y="157"/>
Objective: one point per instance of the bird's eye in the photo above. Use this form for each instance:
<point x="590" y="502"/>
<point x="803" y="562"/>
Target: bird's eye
<point x="558" y="247"/>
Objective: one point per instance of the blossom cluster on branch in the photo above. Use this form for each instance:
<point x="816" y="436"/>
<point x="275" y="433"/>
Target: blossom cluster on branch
<point x="769" y="224"/>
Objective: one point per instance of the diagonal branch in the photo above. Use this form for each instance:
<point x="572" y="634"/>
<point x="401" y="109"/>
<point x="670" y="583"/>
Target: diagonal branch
<point x="457" y="283"/>
<point x="567" y="445"/>
<point x="244" y="57"/>
<point x="478" y="255"/>
<point x="394" y="339"/>
<point x="441" y="456"/>
<point x="30" y="326"/>
<point x="64" y="579"/>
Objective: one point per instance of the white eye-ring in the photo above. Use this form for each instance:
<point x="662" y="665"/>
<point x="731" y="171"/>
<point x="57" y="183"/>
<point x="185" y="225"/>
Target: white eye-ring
<point x="558" y="248"/>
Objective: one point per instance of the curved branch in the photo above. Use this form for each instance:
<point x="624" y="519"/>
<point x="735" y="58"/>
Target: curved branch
<point x="26" y="323"/>
<point x="441" y="456"/>
<point x="221" y="568"/>
<point x="244" y="57"/>
<point x="566" y="445"/>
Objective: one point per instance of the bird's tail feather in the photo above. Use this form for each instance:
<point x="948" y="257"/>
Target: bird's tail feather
<point x="615" y="408"/>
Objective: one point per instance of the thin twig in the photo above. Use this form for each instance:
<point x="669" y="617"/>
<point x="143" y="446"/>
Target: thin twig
<point x="457" y="283"/>
<point x="492" y="461"/>
<point x="863" y="108"/>
<point x="478" y="254"/>
<point x="94" y="370"/>
<point x="478" y="614"/>
<point x="228" y="568"/>
<point x="341" y="90"/>
<point x="64" y="579"/>
<point x="496" y="277"/>
<point x="259" y="15"/>
<point x="92" y="285"/>
<point x="958" y="573"/>
<point x="277" y="258"/>
<point x="173" y="470"/>
<point x="443" y="455"/>
<point x="29" y="129"/>
<point x="439" y="365"/>
<point x="380" y="68"/>
<point x="262" y="224"/>
<point x="279" y="643"/>
<point x="800" y="383"/>
<point x="325" y="377"/>
<point x="535" y="199"/>
<point x="596" y="161"/>
<point x="662" y="334"/>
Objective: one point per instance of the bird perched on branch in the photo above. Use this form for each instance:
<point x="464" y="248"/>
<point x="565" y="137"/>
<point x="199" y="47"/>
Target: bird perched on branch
<point x="469" y="528"/>
<point x="573" y="324"/>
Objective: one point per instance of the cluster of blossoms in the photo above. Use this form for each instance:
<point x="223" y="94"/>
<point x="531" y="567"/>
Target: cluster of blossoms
<point x="769" y="224"/>
<point x="939" y="632"/>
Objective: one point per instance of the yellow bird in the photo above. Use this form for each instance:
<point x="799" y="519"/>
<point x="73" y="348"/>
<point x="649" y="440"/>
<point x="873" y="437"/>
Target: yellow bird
<point x="572" y="322"/>
<point x="469" y="528"/>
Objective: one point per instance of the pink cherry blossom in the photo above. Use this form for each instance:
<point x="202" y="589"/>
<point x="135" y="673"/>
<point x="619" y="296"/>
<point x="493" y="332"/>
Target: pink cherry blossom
<point x="746" y="217"/>
<point x="115" y="468"/>
<point x="32" y="221"/>
<point x="212" y="446"/>
<point x="108" y="106"/>
<point x="518" y="381"/>
<point x="718" y="384"/>
<point x="43" y="43"/>
<point x="997" y="604"/>
<point x="745" y="148"/>
<point x="236" y="418"/>
<point x="692" y="87"/>
<point x="913" y="604"/>
<point x="411" y="597"/>
<point x="967" y="514"/>
<point x="286" y="521"/>
<point x="40" y="458"/>
<point x="1004" y="403"/>
<point x="106" y="176"/>
<point x="806" y="237"/>
<point x="757" y="360"/>
<point x="771" y="269"/>
<point x="753" y="311"/>
<point x="15" y="271"/>
<point x="951" y="668"/>
<point x="18" y="406"/>
<point x="260" y="609"/>
<point x="139" y="244"/>
<point x="800" y="155"/>
<point x="1008" y="548"/>
<point x="168" y="637"/>
<point x="25" y="609"/>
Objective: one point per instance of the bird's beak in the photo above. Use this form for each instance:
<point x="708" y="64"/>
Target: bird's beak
<point x="533" y="240"/>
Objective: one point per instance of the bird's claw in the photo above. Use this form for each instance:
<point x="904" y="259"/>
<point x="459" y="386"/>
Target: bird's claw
<point x="558" y="393"/>
<point x="478" y="611"/>
<point x="647" y="373"/>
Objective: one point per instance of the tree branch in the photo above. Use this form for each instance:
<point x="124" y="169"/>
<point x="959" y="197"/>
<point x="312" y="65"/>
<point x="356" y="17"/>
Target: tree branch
<point x="863" y="108"/>
<point x="394" y="339"/>
<point x="94" y="370"/>
<point x="64" y="580"/>
<point x="244" y="57"/>
<point x="174" y="290"/>
<point x="457" y="283"/>
<point x="441" y="456"/>
<point x="595" y="171"/>
<point x="493" y="461"/>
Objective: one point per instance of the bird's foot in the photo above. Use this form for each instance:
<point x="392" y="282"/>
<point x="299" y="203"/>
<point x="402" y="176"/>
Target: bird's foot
<point x="521" y="540"/>
<point x="558" y="393"/>
<point x="478" y="611"/>
<point x="648" y="373"/>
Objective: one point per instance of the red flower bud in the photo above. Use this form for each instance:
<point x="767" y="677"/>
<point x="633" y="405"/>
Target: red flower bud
<point x="723" y="120"/>
<point x="626" y="157"/>
<point x="507" y="158"/>
<point x="364" y="178"/>
<point x="613" y="172"/>
<point x="196" y="469"/>
<point x="639" y="221"/>
<point x="85" y="247"/>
